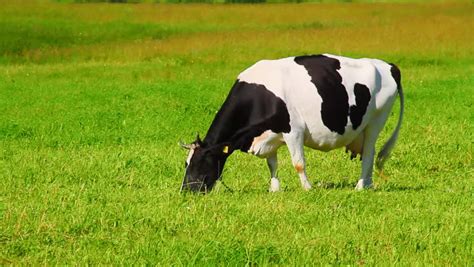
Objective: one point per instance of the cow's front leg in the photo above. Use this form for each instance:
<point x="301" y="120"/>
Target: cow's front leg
<point x="272" y="163"/>
<point x="295" y="146"/>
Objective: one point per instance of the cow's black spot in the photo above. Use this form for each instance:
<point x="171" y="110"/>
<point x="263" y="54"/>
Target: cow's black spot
<point x="357" y="111"/>
<point x="328" y="82"/>
<point x="249" y="110"/>
<point x="396" y="74"/>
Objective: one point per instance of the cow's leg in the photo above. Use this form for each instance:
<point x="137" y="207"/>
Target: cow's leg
<point x="272" y="163"/>
<point x="365" y="180"/>
<point x="294" y="142"/>
<point x="371" y="134"/>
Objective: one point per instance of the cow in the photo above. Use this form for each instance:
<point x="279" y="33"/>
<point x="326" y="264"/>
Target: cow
<point x="320" y="101"/>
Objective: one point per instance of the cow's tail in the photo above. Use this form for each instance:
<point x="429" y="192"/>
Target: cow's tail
<point x="388" y="146"/>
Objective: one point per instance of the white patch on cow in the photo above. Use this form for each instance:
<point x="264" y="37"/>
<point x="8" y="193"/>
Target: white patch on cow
<point x="387" y="92"/>
<point x="265" y="144"/>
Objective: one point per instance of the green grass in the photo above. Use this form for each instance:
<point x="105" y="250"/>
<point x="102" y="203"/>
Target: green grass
<point x="90" y="168"/>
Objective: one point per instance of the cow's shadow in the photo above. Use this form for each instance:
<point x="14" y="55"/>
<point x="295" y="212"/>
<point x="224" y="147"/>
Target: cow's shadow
<point x="390" y="187"/>
<point x="344" y="184"/>
<point x="380" y="187"/>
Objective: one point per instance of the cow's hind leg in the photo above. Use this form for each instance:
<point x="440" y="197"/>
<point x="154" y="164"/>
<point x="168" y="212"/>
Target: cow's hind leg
<point x="365" y="180"/>
<point x="272" y="162"/>
<point x="371" y="134"/>
<point x="294" y="142"/>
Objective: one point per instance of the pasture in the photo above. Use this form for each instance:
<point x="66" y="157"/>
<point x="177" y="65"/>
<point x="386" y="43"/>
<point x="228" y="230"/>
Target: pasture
<point x="95" y="97"/>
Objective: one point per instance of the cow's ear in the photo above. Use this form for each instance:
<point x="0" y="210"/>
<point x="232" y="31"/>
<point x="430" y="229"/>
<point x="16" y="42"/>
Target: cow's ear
<point x="198" y="140"/>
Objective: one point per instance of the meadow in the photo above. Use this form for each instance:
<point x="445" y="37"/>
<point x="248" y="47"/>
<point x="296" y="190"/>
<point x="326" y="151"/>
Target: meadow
<point x="95" y="97"/>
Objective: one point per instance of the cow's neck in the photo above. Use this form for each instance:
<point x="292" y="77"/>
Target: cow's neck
<point x="231" y="124"/>
<point x="225" y="130"/>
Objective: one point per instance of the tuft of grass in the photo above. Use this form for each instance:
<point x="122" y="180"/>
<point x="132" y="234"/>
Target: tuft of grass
<point x="90" y="167"/>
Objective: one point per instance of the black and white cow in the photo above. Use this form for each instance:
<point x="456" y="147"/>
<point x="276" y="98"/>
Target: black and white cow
<point x="321" y="101"/>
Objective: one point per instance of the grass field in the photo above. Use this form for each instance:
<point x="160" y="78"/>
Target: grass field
<point x="95" y="97"/>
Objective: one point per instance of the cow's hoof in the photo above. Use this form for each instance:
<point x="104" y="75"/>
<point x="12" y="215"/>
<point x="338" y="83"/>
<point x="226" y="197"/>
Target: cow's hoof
<point x="363" y="184"/>
<point x="307" y="187"/>
<point x="274" y="185"/>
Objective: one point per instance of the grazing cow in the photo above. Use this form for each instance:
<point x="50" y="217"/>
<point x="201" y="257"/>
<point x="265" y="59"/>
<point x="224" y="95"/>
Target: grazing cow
<point x="320" y="101"/>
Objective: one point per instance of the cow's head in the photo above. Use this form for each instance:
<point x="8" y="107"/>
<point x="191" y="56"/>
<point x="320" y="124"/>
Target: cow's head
<point x="203" y="165"/>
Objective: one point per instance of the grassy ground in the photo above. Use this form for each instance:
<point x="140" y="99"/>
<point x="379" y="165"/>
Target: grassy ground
<point x="94" y="98"/>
